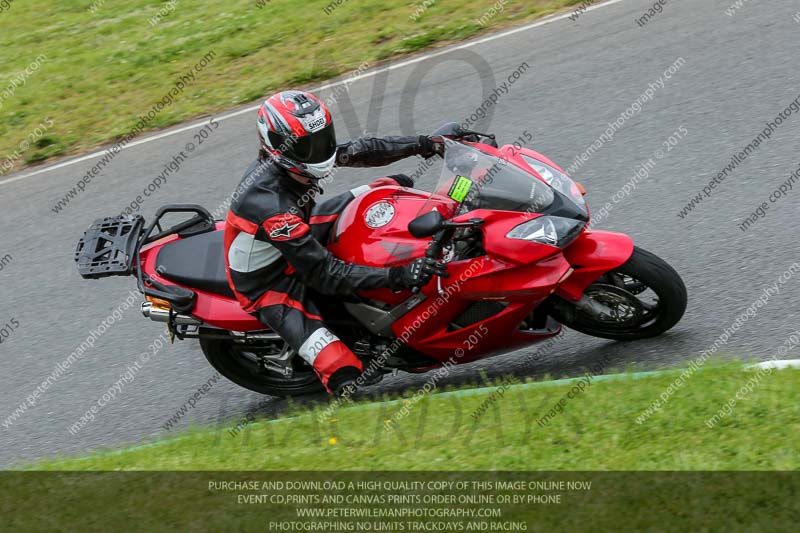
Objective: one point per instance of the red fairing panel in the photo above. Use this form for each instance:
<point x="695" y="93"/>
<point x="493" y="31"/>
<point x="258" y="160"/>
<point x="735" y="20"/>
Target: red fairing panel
<point x="496" y="335"/>
<point x="593" y="254"/>
<point x="224" y="313"/>
<point x="496" y="226"/>
<point x="520" y="287"/>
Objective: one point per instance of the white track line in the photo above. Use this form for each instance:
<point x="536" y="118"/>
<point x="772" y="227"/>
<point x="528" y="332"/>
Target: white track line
<point x="412" y="61"/>
<point x="777" y="365"/>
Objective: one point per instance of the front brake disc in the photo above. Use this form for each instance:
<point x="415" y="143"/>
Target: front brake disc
<point x="612" y="306"/>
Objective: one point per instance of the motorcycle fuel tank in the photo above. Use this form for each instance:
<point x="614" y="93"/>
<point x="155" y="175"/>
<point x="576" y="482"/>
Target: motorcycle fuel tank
<point x="373" y="228"/>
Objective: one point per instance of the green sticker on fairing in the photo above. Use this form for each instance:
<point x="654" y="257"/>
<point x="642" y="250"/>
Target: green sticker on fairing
<point x="460" y="189"/>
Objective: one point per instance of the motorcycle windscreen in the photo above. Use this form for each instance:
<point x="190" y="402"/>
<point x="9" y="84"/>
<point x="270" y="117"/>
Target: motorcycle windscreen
<point x="471" y="179"/>
<point x="476" y="180"/>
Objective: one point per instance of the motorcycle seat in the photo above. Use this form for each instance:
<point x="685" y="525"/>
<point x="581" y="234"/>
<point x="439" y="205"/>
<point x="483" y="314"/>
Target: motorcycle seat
<point x="197" y="262"/>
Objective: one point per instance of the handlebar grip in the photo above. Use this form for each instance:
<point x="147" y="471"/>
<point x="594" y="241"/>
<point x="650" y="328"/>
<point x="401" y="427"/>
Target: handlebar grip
<point x="434" y="249"/>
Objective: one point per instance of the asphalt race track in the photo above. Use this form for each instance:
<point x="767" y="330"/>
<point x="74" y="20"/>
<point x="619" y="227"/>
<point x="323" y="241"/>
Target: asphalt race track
<point x="731" y="75"/>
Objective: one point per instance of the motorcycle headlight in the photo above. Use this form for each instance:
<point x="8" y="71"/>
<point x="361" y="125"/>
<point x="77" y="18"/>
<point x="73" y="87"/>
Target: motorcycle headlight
<point x="553" y="231"/>
<point x="557" y="180"/>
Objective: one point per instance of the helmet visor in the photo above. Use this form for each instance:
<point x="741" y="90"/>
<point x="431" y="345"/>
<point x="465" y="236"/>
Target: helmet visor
<point x="312" y="148"/>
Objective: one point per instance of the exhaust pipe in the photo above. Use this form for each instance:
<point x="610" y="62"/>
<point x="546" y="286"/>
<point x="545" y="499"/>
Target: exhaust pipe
<point x="265" y="336"/>
<point x="159" y="314"/>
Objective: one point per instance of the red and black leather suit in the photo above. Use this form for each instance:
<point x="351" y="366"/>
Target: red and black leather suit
<point x="273" y="256"/>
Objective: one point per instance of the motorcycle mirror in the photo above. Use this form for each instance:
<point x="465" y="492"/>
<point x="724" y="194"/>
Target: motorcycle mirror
<point x="451" y="129"/>
<point x="426" y="225"/>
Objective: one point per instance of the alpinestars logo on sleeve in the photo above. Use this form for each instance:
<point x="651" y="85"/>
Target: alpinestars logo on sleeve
<point x="285" y="227"/>
<point x="284" y="231"/>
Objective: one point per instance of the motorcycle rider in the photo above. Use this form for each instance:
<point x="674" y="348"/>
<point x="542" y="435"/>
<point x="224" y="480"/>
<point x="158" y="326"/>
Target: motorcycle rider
<point x="273" y="251"/>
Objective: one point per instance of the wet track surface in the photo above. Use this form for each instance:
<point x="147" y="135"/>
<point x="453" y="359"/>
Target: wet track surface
<point x="731" y="75"/>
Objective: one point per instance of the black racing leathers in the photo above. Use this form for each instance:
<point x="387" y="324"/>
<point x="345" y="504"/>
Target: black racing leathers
<point x="270" y="231"/>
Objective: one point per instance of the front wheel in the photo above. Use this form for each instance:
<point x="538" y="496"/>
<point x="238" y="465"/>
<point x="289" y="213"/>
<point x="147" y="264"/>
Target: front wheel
<point x="266" y="368"/>
<point x="643" y="298"/>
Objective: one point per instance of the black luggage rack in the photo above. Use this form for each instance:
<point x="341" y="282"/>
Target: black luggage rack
<point x="111" y="247"/>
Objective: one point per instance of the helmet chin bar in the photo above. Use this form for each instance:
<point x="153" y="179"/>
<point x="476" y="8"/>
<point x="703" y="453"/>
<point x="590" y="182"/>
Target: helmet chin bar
<point x="307" y="170"/>
<point x="319" y="170"/>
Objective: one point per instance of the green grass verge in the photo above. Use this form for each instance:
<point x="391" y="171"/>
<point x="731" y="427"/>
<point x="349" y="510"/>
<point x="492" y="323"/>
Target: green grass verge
<point x="100" y="69"/>
<point x="597" y="430"/>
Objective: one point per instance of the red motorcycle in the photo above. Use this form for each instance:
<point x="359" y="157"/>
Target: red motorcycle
<point x="510" y="223"/>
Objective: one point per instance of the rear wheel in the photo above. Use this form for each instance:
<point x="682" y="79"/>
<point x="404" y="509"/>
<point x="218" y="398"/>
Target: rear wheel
<point x="268" y="367"/>
<point x="643" y="298"/>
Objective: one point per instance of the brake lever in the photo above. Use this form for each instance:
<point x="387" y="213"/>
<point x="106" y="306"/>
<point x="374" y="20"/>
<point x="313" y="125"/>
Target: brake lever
<point x="417" y="290"/>
<point x="435" y="248"/>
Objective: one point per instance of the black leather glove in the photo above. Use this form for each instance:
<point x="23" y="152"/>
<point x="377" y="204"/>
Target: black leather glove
<point x="416" y="274"/>
<point x="430" y="147"/>
<point x="402" y="180"/>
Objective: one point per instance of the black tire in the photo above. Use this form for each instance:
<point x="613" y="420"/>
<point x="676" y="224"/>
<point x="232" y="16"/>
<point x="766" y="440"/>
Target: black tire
<point x="645" y="271"/>
<point x="225" y="356"/>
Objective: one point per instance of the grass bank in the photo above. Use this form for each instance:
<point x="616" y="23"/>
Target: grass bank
<point x="595" y="429"/>
<point x="75" y="74"/>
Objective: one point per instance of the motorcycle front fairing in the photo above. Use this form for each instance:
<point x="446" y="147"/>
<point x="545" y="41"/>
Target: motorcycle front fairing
<point x="592" y="253"/>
